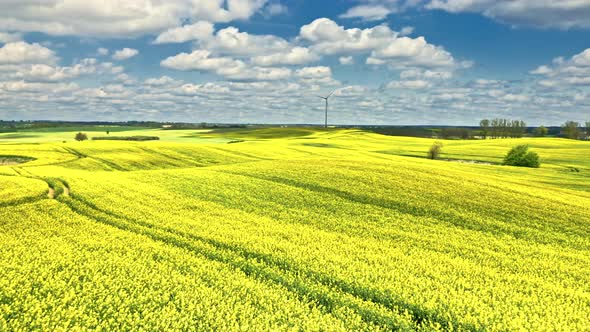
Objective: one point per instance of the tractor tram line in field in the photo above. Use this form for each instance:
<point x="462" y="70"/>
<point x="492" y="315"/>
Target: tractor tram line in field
<point x="56" y="186"/>
<point x="304" y="283"/>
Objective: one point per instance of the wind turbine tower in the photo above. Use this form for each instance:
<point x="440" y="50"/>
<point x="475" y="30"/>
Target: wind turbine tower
<point x="326" y="99"/>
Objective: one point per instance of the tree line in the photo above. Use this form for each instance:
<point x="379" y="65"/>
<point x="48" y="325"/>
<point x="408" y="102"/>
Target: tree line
<point x="502" y="128"/>
<point x="574" y="130"/>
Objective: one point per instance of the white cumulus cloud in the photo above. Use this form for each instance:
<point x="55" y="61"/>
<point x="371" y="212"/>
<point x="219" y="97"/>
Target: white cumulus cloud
<point x="6" y="37"/>
<point x="102" y="51"/>
<point x="23" y="52"/>
<point x="368" y="12"/>
<point x="544" y="13"/>
<point x="566" y="72"/>
<point x="125" y="54"/>
<point x="294" y="56"/>
<point x="346" y="60"/>
<point x="118" y="19"/>
<point x="202" y="60"/>
<point x="386" y="47"/>
<point x="196" y="31"/>
<point x="409" y="84"/>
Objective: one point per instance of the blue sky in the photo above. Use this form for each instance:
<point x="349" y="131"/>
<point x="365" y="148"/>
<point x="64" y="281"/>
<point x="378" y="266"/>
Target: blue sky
<point x="266" y="61"/>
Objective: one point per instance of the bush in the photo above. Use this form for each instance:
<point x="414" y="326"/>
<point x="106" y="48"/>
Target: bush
<point x="435" y="150"/>
<point x="521" y="156"/>
<point x="81" y="137"/>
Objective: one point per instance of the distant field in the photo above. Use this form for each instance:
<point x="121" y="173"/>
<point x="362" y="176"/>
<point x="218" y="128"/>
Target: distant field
<point x="291" y="229"/>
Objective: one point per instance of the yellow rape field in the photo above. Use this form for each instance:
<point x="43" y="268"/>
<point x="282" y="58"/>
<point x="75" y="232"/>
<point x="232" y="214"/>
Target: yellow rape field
<point x="293" y="229"/>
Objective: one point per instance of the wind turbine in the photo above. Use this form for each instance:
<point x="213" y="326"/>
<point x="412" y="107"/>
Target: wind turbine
<point x="326" y="99"/>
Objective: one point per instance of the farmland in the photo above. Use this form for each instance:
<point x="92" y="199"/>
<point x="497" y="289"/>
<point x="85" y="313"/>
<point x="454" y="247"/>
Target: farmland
<point x="291" y="229"/>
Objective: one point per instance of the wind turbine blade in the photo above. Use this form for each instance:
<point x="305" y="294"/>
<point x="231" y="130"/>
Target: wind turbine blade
<point x="331" y="93"/>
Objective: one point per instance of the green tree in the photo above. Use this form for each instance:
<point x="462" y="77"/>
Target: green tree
<point x="522" y="129"/>
<point x="504" y="125"/>
<point x="81" y="137"/>
<point x="541" y="131"/>
<point x="522" y="157"/>
<point x="435" y="150"/>
<point x="571" y="129"/>
<point x="587" y="129"/>
<point x="494" y="131"/>
<point x="485" y="128"/>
